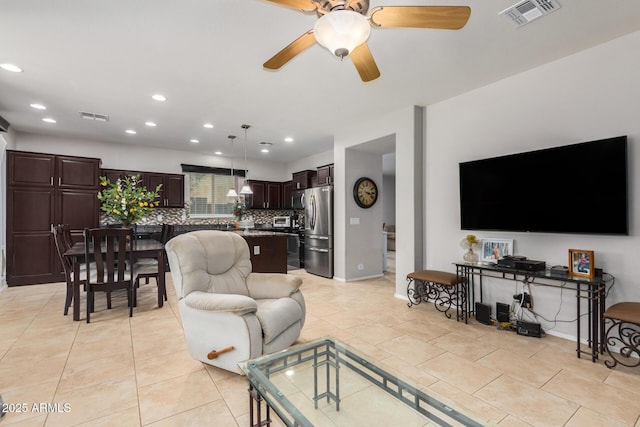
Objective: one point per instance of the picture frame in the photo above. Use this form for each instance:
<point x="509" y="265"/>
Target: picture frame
<point x="582" y="263"/>
<point x="491" y="250"/>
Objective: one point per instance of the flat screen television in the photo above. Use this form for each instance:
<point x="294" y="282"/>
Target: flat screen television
<point x="578" y="188"/>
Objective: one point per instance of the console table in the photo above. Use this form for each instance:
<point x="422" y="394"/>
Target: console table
<point x="591" y="290"/>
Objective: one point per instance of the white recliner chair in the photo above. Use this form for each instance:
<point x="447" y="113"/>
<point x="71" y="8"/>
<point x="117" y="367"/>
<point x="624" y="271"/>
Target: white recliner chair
<point x="223" y="304"/>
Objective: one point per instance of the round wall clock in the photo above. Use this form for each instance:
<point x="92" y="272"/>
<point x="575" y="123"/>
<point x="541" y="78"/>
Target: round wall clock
<point x="365" y="192"/>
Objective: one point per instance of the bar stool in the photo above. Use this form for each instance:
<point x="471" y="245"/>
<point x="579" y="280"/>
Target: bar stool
<point x="624" y="331"/>
<point x="446" y="290"/>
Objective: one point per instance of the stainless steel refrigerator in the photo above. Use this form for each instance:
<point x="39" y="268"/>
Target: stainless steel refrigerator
<point x="318" y="231"/>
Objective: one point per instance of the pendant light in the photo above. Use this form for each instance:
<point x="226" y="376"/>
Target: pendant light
<point x="245" y="188"/>
<point x="232" y="191"/>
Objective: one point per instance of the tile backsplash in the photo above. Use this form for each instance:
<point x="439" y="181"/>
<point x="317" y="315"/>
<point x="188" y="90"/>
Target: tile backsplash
<point x="176" y="216"/>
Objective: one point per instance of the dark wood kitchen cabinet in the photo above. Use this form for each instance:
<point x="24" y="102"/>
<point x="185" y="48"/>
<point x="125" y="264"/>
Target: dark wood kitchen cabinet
<point x="172" y="191"/>
<point x="325" y="175"/>
<point x="114" y="174"/>
<point x="266" y="195"/>
<point x="303" y="179"/>
<point x="46" y="189"/>
<point x="287" y="189"/>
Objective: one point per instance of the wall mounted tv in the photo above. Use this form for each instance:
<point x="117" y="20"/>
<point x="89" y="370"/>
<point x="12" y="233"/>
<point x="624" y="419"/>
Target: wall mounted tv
<point x="578" y="188"/>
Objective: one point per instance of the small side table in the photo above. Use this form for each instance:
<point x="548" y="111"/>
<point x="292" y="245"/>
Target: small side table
<point x="446" y="290"/>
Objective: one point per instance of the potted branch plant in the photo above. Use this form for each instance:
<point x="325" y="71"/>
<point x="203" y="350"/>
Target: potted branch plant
<point x="126" y="200"/>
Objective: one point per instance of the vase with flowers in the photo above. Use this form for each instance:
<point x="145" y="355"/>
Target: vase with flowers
<point x="126" y="200"/>
<point x="239" y="210"/>
<point x="470" y="242"/>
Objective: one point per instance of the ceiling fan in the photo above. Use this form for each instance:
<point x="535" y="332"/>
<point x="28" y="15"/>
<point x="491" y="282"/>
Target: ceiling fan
<point x="343" y="27"/>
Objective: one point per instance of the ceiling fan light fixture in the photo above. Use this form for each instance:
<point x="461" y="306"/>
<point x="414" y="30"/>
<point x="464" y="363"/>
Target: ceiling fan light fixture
<point x="341" y="31"/>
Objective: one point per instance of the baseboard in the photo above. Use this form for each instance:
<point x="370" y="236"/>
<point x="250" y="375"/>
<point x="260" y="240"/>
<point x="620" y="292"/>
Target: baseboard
<point x="355" y="279"/>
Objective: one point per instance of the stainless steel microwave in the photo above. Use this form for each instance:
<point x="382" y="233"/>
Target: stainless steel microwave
<point x="282" y="221"/>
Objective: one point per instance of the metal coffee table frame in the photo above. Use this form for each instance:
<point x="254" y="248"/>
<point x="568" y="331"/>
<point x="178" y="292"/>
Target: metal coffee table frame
<point x="329" y="354"/>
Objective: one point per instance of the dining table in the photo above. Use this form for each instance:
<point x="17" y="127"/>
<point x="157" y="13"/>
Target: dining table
<point x="141" y="248"/>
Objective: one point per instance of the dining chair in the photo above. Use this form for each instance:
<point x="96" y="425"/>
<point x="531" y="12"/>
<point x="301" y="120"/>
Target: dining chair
<point x="112" y="251"/>
<point x="62" y="238"/>
<point x="147" y="268"/>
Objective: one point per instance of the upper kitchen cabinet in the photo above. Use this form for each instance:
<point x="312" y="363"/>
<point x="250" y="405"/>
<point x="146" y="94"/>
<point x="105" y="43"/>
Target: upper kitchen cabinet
<point x="30" y="169"/>
<point x="287" y="189"/>
<point x="303" y="179"/>
<point x="325" y="175"/>
<point x="45" y="189"/>
<point x="77" y="173"/>
<point x="172" y="191"/>
<point x="266" y="195"/>
<point x="114" y="175"/>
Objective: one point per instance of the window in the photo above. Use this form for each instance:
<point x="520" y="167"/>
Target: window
<point x="208" y="195"/>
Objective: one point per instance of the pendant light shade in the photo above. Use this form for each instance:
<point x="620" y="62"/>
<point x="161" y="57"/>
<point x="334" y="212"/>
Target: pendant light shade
<point x="232" y="191"/>
<point x="245" y="190"/>
<point x="341" y="31"/>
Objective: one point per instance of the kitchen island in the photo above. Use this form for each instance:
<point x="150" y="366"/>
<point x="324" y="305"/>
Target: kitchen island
<point x="267" y="249"/>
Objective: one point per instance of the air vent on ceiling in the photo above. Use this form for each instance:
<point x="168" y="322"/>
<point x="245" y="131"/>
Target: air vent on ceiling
<point x="526" y="11"/>
<point x="94" y="116"/>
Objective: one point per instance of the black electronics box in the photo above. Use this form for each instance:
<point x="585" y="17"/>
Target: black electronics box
<point x="529" y="329"/>
<point x="502" y="312"/>
<point x="483" y="313"/>
<point x="559" y="270"/>
<point x="531" y="265"/>
<point x="510" y="261"/>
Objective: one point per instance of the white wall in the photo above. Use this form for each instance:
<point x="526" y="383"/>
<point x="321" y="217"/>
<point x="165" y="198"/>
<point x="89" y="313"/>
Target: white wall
<point x="388" y="195"/>
<point x="310" y="162"/>
<point x="590" y="95"/>
<point x="406" y="127"/>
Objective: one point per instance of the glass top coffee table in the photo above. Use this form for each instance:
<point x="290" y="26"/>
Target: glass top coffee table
<point x="327" y="383"/>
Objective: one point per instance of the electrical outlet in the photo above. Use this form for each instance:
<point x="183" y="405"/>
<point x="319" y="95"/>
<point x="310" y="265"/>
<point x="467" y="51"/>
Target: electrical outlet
<point x="524" y="300"/>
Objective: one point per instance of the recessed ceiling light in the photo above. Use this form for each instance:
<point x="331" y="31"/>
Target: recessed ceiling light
<point x="48" y="120"/>
<point x="288" y="139"/>
<point x="11" y="67"/>
<point x="218" y="153"/>
<point x="195" y="141"/>
<point x="131" y="131"/>
<point x="208" y="125"/>
<point x="159" y="97"/>
<point x="150" y="124"/>
<point x="38" y="106"/>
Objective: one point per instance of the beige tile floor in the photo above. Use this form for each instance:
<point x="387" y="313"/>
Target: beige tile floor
<point x="121" y="371"/>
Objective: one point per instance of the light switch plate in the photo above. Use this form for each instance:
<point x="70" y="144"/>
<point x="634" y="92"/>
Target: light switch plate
<point x="256" y="250"/>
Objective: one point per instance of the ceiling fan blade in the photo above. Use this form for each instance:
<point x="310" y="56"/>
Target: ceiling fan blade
<point x="438" y="17"/>
<point x="305" y="5"/>
<point x="364" y="62"/>
<point x="289" y="52"/>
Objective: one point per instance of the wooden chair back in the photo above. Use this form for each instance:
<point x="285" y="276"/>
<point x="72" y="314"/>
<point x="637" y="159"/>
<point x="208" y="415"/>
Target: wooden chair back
<point x="111" y="250"/>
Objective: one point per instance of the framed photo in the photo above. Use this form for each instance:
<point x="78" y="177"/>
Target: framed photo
<point x="581" y="263"/>
<point x="494" y="249"/>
